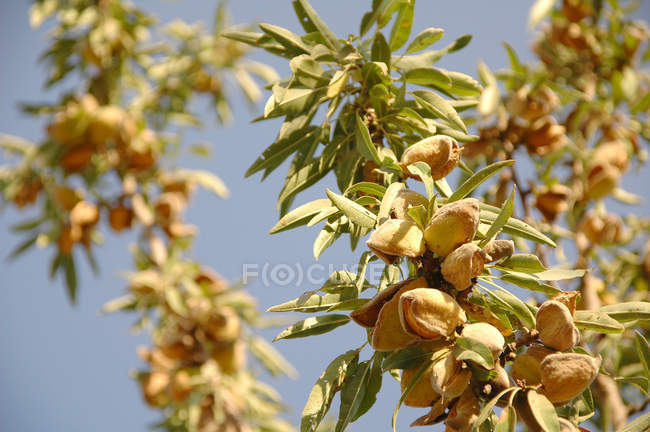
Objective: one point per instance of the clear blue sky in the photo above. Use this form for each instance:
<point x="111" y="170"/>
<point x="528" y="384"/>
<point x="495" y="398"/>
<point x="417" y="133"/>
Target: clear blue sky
<point x="66" y="369"/>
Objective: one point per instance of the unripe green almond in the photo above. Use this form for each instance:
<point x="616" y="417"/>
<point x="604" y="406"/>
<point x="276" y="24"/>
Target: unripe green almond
<point x="487" y="334"/>
<point x="435" y="151"/>
<point x="464" y="264"/>
<point x="396" y="238"/>
<point x="464" y="413"/>
<point x="430" y="313"/>
<point x="566" y="375"/>
<point x="389" y="333"/>
<point x="449" y="378"/>
<point x="527" y="366"/>
<point x="366" y="315"/>
<point x="406" y="199"/>
<point x="555" y="326"/>
<point x="422" y="394"/>
<point x="453" y="225"/>
<point x="498" y="249"/>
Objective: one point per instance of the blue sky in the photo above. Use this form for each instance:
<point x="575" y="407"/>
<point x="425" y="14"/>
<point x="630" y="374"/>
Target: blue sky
<point x="66" y="369"/>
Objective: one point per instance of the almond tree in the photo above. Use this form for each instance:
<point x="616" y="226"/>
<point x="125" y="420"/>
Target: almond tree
<point x="445" y="318"/>
<point x="109" y="152"/>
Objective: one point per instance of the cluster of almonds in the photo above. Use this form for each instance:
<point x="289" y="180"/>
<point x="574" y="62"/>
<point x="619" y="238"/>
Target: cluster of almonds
<point x="83" y="129"/>
<point x="431" y="311"/>
<point x="195" y="353"/>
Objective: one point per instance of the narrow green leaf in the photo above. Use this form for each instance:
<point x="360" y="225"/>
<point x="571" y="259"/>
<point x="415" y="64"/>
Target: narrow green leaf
<point x="514" y="227"/>
<point x="367" y="188"/>
<point x="428" y="77"/>
<point x="364" y="143"/>
<point x="640" y="424"/>
<point x="477" y="179"/>
<point x="527" y="263"/>
<point x="357" y="214"/>
<point x="628" y="311"/>
<point x="443" y="187"/>
<point x="487" y="408"/>
<point x="474" y="351"/>
<point x="380" y="51"/>
<point x="515" y="305"/>
<point x="423" y="170"/>
<point x="126" y="302"/>
<point x="322" y="394"/>
<point x="401" y="30"/>
<point x="643" y="349"/>
<point x="407" y="358"/>
<point x="596" y="321"/>
<point x="507" y="421"/>
<point x="352" y="393"/>
<point x="325" y="238"/>
<point x="409" y="388"/>
<point x="501" y="219"/>
<point x="313" y="326"/>
<point x="528" y="281"/>
<point x="425" y="38"/>
<point x="274" y="362"/>
<point x="286" y="37"/>
<point x="439" y="107"/>
<point x="311" y="303"/>
<point x="555" y="274"/>
<point x="387" y="201"/>
<point x="302" y="179"/>
<point x="543" y="411"/>
<point x="22" y="247"/>
<point x="300" y="215"/>
<point x="373" y="385"/>
<point x="70" y="278"/>
<point x="330" y="38"/>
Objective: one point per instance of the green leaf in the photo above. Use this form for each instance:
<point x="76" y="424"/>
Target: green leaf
<point x="289" y="101"/>
<point x="428" y="77"/>
<point x="528" y="281"/>
<point x="474" y="351"/>
<point x="364" y="143"/>
<point x="380" y="51"/>
<point x="596" y="321"/>
<point x="126" y="302"/>
<point x="300" y="215"/>
<point x="407" y="358"/>
<point x="643" y="349"/>
<point x="439" y="107"/>
<point x="514" y="227"/>
<point x="352" y="393"/>
<point x="337" y="83"/>
<point x="501" y="219"/>
<point x="287" y="38"/>
<point x="70" y="278"/>
<point x="423" y="170"/>
<point x="387" y="201"/>
<point x="206" y="180"/>
<point x="443" y="187"/>
<point x="308" y="71"/>
<point x="487" y="408"/>
<point x="556" y="274"/>
<point x="357" y="214"/>
<point x="507" y="421"/>
<point x="462" y="84"/>
<point x="401" y="31"/>
<point x="425" y="38"/>
<point x="416" y="378"/>
<point x="543" y="412"/>
<point x="373" y="385"/>
<point x="313" y="326"/>
<point x="308" y="11"/>
<point x="280" y="150"/>
<point x="538" y="12"/>
<point x="22" y="247"/>
<point x="640" y="424"/>
<point x="326" y="237"/>
<point x="527" y="263"/>
<point x="322" y="394"/>
<point x="302" y="179"/>
<point x="515" y="305"/>
<point x="311" y="303"/>
<point x="477" y="179"/>
<point x="628" y="311"/>
<point x="271" y="358"/>
<point x="367" y="188"/>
